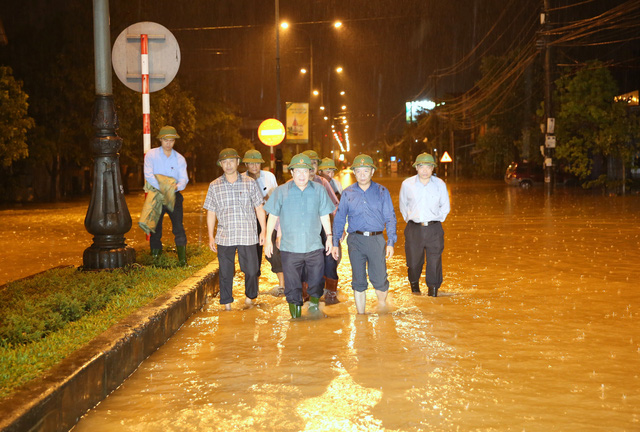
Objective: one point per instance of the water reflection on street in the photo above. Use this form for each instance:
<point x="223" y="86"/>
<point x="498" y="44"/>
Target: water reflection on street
<point x="538" y="329"/>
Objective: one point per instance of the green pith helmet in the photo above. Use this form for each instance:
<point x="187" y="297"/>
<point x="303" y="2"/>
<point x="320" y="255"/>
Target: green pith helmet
<point x="300" y="161"/>
<point x="363" y="161"/>
<point x="424" y="159"/>
<point x="253" y="156"/>
<point x="168" y="132"/>
<point x="312" y="155"/>
<point x="228" y="153"/>
<point x="328" y="164"/>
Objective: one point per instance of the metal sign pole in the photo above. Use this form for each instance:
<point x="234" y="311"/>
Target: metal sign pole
<point x="146" y="103"/>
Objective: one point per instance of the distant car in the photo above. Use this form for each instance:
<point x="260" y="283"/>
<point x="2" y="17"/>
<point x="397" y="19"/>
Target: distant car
<point x="524" y="174"/>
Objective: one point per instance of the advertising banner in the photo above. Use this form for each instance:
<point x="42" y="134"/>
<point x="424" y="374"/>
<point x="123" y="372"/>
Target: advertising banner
<point x="297" y="123"/>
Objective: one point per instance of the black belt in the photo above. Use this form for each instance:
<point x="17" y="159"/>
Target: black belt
<point x="425" y="223"/>
<point x="369" y="233"/>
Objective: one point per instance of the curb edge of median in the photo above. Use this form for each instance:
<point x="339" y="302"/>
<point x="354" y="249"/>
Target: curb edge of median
<point x="58" y="399"/>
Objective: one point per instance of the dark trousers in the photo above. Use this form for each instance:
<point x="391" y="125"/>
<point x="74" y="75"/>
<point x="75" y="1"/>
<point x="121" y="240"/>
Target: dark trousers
<point x="249" y="265"/>
<point x="155" y="241"/>
<point x="275" y="260"/>
<point x="421" y="240"/>
<point x="330" y="263"/>
<point x="259" y="249"/>
<point x="294" y="265"/>
<point x="368" y="255"/>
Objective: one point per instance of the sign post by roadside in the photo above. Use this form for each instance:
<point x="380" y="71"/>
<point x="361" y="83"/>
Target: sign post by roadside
<point x="146" y="58"/>
<point x="445" y="159"/>
<point x="271" y="132"/>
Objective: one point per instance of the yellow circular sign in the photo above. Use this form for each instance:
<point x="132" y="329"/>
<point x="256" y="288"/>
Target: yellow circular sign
<point x="271" y="132"/>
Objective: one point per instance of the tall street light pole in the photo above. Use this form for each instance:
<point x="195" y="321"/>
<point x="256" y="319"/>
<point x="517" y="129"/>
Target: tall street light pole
<point x="108" y="217"/>
<point x="278" y="100"/>
<point x="329" y="107"/>
<point x="285" y="25"/>
<point x="549" y="133"/>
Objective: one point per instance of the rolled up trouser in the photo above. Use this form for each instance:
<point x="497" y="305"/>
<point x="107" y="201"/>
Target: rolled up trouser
<point x="368" y="253"/>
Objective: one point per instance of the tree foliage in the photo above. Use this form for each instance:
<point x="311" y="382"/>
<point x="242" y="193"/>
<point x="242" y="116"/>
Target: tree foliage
<point x="495" y="152"/>
<point x="590" y="123"/>
<point x="15" y="121"/>
<point x="508" y="116"/>
<point x="169" y="106"/>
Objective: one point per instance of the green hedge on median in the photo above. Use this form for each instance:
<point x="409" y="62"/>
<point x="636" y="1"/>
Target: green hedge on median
<point x="46" y="317"/>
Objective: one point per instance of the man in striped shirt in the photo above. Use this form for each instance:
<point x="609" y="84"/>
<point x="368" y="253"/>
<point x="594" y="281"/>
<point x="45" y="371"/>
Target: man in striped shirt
<point x="234" y="201"/>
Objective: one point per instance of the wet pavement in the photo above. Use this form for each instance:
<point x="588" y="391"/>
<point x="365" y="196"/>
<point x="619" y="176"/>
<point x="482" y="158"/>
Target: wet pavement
<point x="537" y="330"/>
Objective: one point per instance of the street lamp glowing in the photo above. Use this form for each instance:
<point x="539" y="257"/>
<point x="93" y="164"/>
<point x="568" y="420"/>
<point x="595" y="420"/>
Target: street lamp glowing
<point x="316" y="92"/>
<point x="344" y="107"/>
<point x="322" y="108"/>
<point x="326" y="118"/>
<point x="337" y="24"/>
<point x="284" y="25"/>
<point x="303" y="70"/>
<point x="339" y="69"/>
<point x="342" y="93"/>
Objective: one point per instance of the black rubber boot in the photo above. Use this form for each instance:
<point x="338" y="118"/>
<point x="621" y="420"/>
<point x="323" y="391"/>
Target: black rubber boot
<point x="415" y="287"/>
<point x="155" y="254"/>
<point x="182" y="255"/>
<point x="433" y="292"/>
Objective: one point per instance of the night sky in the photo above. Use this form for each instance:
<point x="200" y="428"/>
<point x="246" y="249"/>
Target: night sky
<point x="391" y="50"/>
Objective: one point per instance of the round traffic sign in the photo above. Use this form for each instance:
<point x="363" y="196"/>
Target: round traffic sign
<point x="163" y="56"/>
<point x="271" y="132"/>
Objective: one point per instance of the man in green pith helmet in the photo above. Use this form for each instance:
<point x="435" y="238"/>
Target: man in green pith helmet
<point x="302" y="207"/>
<point x="165" y="161"/>
<point x="327" y="169"/>
<point x="330" y="281"/>
<point x="367" y="208"/>
<point x="424" y="204"/>
<point x="235" y="202"/>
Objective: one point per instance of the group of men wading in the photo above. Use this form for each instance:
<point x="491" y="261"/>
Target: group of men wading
<point x="301" y="224"/>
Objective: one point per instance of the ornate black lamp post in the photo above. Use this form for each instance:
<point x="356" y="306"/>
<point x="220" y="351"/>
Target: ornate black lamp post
<point x="108" y="217"/>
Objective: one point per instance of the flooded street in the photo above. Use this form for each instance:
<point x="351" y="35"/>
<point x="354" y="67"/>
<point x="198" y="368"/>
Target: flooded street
<point x="537" y="328"/>
<point x="36" y="237"/>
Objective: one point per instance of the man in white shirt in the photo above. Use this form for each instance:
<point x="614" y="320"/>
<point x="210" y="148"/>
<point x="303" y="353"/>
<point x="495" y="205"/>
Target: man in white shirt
<point x="424" y="204"/>
<point x="267" y="184"/>
<point x="164" y="160"/>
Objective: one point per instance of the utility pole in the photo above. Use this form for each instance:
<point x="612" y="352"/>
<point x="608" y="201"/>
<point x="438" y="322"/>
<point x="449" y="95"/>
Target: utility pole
<point x="549" y="129"/>
<point x="278" y="103"/>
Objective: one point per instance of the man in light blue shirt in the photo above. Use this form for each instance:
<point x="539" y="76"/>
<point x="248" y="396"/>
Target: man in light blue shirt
<point x="424" y="204"/>
<point x="303" y="208"/>
<point x="164" y="160"/>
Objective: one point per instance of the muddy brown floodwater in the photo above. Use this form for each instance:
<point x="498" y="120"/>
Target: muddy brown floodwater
<point x="538" y="329"/>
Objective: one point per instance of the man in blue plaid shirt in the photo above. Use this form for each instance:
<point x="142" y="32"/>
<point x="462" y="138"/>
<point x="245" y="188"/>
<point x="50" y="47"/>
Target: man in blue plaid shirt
<point x="235" y="201"/>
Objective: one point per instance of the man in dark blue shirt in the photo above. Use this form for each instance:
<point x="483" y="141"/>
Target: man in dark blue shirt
<point x="368" y="208"/>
